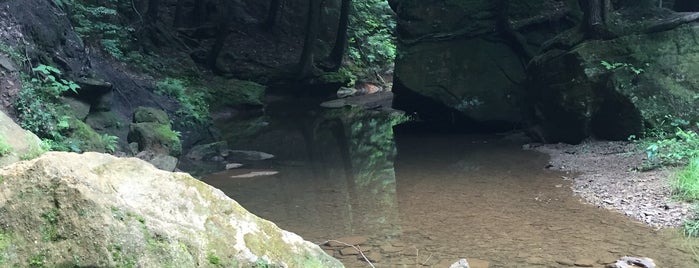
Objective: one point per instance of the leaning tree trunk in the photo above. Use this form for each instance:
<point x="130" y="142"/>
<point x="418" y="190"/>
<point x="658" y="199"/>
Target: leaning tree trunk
<point x="305" y="66"/>
<point x="338" y="51"/>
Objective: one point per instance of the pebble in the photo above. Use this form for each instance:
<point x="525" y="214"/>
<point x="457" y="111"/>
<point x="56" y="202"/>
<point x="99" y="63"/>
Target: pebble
<point x="373" y="257"/>
<point x="566" y="262"/>
<point x="585" y="262"/>
<point x="349" y="251"/>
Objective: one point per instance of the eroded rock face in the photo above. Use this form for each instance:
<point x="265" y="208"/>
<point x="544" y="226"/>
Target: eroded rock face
<point x="611" y="89"/>
<point x="453" y="67"/>
<point x="95" y="210"/>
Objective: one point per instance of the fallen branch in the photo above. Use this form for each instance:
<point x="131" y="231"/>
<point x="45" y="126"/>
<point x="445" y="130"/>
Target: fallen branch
<point x="356" y="248"/>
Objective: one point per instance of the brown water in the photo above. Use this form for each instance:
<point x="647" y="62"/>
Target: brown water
<point x="441" y="197"/>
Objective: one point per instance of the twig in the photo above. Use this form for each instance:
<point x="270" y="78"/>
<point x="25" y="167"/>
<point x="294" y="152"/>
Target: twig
<point x="356" y="248"/>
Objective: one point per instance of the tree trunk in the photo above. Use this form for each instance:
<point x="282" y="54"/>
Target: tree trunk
<point x="152" y="13"/>
<point x="222" y="32"/>
<point x="595" y="16"/>
<point x="305" y="66"/>
<point x="513" y="39"/>
<point x="179" y="14"/>
<point x="199" y="12"/>
<point x="338" y="51"/>
<point x="272" y="14"/>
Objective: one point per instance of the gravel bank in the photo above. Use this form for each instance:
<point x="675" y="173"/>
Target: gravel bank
<point x="603" y="173"/>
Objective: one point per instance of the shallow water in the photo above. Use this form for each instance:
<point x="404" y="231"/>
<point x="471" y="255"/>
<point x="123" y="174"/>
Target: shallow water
<point x="430" y="199"/>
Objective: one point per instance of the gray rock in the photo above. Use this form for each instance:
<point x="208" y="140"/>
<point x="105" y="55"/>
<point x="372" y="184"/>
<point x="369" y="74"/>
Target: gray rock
<point x="462" y="263"/>
<point x="233" y="165"/>
<point x="160" y="161"/>
<point x="248" y="155"/>
<point x="634" y="262"/>
<point x="78" y="108"/>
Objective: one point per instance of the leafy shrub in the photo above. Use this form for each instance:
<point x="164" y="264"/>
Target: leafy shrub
<point x="687" y="181"/>
<point x="193" y="106"/>
<point x="104" y="21"/>
<point x="110" y="142"/>
<point x="673" y="150"/>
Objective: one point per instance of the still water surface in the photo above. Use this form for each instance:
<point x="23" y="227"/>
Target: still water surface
<point x="430" y="199"/>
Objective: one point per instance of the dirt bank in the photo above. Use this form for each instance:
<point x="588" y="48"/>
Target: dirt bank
<point x="604" y="174"/>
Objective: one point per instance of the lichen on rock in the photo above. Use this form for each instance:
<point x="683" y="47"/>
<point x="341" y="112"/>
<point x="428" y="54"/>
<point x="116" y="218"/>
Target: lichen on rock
<point x="97" y="210"/>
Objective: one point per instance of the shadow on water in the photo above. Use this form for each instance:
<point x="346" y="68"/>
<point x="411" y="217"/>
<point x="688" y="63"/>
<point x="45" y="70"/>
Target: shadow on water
<point x="428" y="199"/>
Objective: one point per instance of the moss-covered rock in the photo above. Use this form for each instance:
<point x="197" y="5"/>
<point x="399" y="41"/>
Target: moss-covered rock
<point x="615" y="88"/>
<point x="152" y="131"/>
<point x="234" y="93"/>
<point x="154" y="137"/>
<point x="150" y="115"/>
<point x="96" y="210"/>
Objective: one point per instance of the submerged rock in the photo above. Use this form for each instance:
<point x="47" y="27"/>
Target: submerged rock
<point x="96" y="210"/>
<point x="630" y="262"/>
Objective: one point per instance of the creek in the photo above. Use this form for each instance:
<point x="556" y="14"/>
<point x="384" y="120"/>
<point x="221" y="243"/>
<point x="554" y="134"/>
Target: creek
<point x="426" y="198"/>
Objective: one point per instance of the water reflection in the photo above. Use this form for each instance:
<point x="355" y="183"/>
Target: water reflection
<point x="336" y="170"/>
<point x="439" y="198"/>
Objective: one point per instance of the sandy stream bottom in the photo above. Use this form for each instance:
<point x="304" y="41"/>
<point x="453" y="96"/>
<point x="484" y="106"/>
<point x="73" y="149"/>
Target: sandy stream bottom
<point x="464" y="196"/>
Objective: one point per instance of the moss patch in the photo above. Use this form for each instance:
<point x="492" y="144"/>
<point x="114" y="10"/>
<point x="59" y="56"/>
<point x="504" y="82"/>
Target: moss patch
<point x="234" y="93"/>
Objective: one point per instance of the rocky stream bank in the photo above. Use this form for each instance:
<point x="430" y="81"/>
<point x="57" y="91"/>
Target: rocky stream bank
<point x="605" y="174"/>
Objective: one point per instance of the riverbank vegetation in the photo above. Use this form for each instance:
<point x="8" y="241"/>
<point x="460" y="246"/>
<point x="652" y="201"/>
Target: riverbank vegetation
<point x="679" y="149"/>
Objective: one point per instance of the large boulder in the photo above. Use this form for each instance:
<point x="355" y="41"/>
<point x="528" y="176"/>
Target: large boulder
<point x="612" y="89"/>
<point x="16" y="143"/>
<point x="96" y="210"/>
<point x="454" y="68"/>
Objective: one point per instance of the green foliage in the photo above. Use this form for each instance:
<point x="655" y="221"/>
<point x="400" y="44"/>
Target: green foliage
<point x="35" y="151"/>
<point x="213" y="259"/>
<point x="194" y="109"/>
<point x="372" y="46"/>
<point x="110" y="142"/>
<point x="104" y="21"/>
<point x="687" y="181"/>
<point x="37" y="102"/>
<point x="49" y="230"/>
<point x="673" y="150"/>
<point x="37" y="260"/>
<point x="55" y="85"/>
<point x="617" y="65"/>
<point x="5" y="148"/>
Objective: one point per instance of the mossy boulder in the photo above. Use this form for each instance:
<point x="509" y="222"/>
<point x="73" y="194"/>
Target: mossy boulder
<point x="234" y="93"/>
<point x="150" y="115"/>
<point x="152" y="132"/>
<point x="612" y="89"/>
<point x="96" y="210"/>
